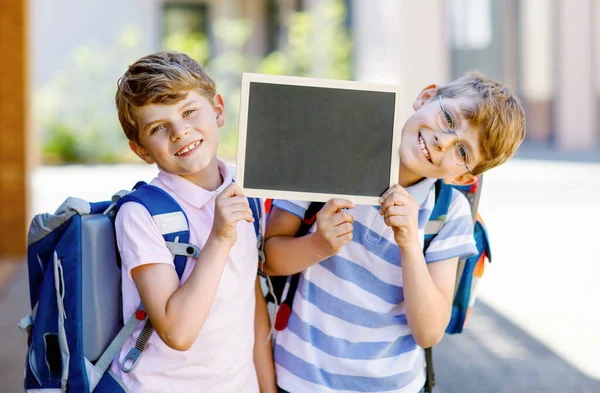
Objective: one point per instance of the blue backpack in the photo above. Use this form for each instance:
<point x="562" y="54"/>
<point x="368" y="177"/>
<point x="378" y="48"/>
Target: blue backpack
<point x="469" y="270"/>
<point x="75" y="329"/>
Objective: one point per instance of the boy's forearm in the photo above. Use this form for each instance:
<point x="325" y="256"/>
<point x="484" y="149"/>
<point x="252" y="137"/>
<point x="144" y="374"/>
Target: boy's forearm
<point x="263" y="350"/>
<point x="291" y="255"/>
<point x="427" y="308"/>
<point x="190" y="304"/>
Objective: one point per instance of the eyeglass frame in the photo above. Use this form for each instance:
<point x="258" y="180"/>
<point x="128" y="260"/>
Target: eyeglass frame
<point x="453" y="131"/>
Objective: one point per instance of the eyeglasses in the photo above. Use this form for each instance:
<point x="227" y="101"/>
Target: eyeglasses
<point x="458" y="151"/>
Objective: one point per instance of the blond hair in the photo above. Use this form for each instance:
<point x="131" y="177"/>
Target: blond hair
<point x="497" y="114"/>
<point x="160" y="78"/>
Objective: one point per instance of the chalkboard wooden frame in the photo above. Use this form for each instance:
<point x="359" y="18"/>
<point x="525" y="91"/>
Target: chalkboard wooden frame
<point x="385" y="177"/>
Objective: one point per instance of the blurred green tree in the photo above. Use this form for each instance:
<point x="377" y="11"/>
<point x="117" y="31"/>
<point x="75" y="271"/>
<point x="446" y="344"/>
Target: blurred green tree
<point x="75" y="116"/>
<point x="78" y="127"/>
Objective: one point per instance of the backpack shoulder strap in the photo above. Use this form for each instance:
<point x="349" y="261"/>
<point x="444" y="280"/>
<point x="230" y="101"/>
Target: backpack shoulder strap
<point x="257" y="213"/>
<point x="285" y="308"/>
<point x="170" y="219"/>
<point x="309" y="217"/>
<point x="172" y="223"/>
<point x="443" y="197"/>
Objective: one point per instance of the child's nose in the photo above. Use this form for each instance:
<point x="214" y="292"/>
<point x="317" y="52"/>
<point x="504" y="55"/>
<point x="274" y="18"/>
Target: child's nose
<point x="443" y="141"/>
<point x="178" y="130"/>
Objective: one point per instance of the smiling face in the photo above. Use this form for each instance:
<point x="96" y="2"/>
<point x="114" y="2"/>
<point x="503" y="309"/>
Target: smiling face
<point x="426" y="150"/>
<point x="182" y="138"/>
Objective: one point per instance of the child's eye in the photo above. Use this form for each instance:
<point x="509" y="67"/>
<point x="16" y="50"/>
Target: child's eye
<point x="188" y="112"/>
<point x="157" y="128"/>
<point x="449" y="120"/>
<point x="463" y="151"/>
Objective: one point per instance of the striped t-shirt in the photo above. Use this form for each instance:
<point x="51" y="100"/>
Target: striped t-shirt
<point x="347" y="331"/>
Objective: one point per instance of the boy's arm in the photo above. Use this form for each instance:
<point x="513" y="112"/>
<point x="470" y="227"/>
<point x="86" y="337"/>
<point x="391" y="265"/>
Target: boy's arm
<point x="263" y="350"/>
<point x="287" y="255"/>
<point x="178" y="312"/>
<point x="428" y="289"/>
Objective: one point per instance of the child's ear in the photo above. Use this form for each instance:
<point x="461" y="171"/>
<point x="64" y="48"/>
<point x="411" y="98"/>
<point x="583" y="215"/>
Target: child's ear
<point x="219" y="107"/>
<point x="425" y="96"/>
<point x="141" y="152"/>
<point x="461" y="180"/>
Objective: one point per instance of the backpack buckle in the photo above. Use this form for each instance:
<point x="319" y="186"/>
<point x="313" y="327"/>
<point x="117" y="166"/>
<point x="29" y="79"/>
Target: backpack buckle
<point x="133" y="356"/>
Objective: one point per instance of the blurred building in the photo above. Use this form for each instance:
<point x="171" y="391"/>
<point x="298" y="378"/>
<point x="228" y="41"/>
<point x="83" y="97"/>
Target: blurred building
<point x="547" y="50"/>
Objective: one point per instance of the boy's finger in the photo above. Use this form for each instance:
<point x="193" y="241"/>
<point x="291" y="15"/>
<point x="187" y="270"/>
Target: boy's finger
<point x="343" y="229"/>
<point x="237" y="207"/>
<point x="343" y="239"/>
<point x="395" y="199"/>
<point x="342" y="217"/>
<point x="229" y="191"/>
<point x="396" y="221"/>
<point x="240" y="215"/>
<point x="334" y="205"/>
<point x="238" y="200"/>
<point x="396" y="211"/>
<point x="396" y="188"/>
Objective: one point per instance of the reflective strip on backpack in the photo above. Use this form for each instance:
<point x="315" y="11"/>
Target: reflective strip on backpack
<point x="433" y="227"/>
<point x="170" y="222"/>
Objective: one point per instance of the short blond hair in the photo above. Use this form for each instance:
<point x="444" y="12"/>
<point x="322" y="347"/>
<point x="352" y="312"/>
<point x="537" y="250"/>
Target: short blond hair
<point x="498" y="114"/>
<point x="160" y="78"/>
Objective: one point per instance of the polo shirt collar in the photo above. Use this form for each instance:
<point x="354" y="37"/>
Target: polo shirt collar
<point x="191" y="193"/>
<point x="420" y="191"/>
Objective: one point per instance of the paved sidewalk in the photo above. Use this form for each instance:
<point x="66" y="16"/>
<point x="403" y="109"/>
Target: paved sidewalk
<point x="14" y="305"/>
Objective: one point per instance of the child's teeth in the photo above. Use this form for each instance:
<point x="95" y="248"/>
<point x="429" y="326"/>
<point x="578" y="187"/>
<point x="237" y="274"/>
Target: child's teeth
<point x="189" y="147"/>
<point x="423" y="149"/>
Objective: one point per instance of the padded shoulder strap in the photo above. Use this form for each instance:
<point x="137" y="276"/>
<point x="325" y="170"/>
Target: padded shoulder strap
<point x="255" y="206"/>
<point x="169" y="217"/>
<point x="443" y="197"/>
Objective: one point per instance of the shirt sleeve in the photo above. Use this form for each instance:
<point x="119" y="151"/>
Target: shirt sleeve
<point x="297" y="208"/>
<point x="455" y="239"/>
<point x="138" y="239"/>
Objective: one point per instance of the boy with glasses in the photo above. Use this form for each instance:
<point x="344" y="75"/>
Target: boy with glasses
<point x="369" y="299"/>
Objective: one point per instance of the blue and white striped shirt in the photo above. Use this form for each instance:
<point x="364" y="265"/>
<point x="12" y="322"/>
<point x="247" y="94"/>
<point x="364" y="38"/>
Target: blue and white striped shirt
<point x="348" y="330"/>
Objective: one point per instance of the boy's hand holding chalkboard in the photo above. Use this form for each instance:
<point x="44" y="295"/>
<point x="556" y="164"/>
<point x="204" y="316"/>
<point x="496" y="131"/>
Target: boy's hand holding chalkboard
<point x="334" y="226"/>
<point x="401" y="213"/>
<point x="231" y="206"/>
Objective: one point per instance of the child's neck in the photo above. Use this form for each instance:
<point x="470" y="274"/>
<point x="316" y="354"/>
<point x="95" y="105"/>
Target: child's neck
<point x="209" y="178"/>
<point x="407" y="178"/>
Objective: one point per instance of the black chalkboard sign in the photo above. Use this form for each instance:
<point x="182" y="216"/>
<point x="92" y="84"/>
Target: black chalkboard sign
<point x="314" y="139"/>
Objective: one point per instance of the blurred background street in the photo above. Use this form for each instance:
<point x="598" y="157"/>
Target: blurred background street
<point x="536" y="326"/>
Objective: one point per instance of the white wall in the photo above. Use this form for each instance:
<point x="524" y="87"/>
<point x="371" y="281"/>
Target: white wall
<point x="401" y="42"/>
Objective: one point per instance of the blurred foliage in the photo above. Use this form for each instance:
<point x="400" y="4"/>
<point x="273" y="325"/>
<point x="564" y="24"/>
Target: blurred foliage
<point x="75" y="114"/>
<point x="77" y="126"/>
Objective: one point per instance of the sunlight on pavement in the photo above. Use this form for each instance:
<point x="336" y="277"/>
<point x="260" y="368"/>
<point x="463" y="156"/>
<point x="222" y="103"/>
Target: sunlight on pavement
<point x="543" y="224"/>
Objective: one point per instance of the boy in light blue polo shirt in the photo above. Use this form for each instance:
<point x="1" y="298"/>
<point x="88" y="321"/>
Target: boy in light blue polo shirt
<point x="368" y="299"/>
